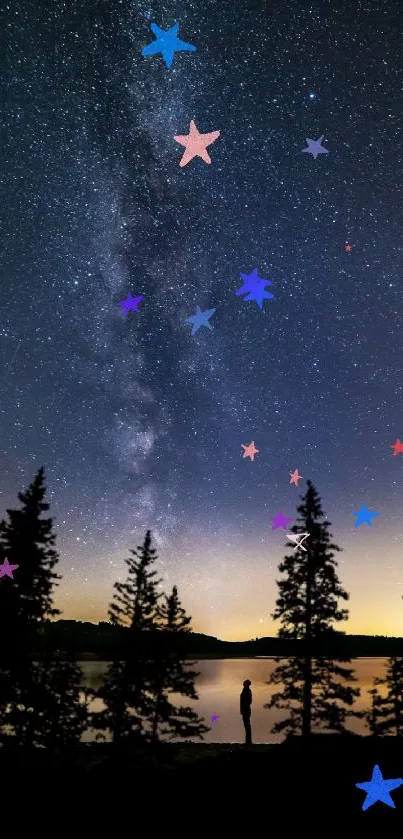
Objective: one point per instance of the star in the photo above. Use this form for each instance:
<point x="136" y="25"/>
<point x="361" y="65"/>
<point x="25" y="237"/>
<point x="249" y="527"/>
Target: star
<point x="315" y="147"/>
<point x="295" y="477"/>
<point x="348" y="247"/>
<point x="167" y="43"/>
<point x="378" y="789"/>
<point x="200" y="319"/>
<point x="196" y="144"/>
<point x="254" y="287"/>
<point x="214" y="717"/>
<point x="364" y="516"/>
<point x="398" y="447"/>
<point x="294" y="538"/>
<point x="280" y="521"/>
<point x="130" y="303"/>
<point x="6" y="570"/>
<point x="250" y="450"/>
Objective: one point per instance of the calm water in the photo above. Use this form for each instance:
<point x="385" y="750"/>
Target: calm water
<point x="220" y="683"/>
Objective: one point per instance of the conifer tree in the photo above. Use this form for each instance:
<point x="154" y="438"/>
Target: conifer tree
<point x="314" y="689"/>
<point x="124" y="688"/>
<point x="172" y="675"/>
<point x="33" y="686"/>
<point x="28" y="541"/>
<point x="386" y="714"/>
<point x="49" y="709"/>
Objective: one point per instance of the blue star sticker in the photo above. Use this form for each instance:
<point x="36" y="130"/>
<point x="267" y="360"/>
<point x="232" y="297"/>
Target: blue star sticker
<point x="254" y="287"/>
<point x="167" y="43"/>
<point x="364" y="516"/>
<point x="200" y="319"/>
<point x="315" y="147"/>
<point x="378" y="789"/>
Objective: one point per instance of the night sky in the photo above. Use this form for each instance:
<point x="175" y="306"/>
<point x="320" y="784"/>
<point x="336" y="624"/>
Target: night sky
<point x="140" y="424"/>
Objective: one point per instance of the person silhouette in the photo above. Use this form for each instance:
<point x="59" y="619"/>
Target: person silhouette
<point x="246" y="702"/>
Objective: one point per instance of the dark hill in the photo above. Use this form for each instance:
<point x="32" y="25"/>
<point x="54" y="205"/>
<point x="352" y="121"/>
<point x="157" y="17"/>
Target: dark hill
<point x="105" y="641"/>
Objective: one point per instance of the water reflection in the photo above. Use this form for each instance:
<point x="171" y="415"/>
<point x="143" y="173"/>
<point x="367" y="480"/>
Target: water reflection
<point x="219" y="686"/>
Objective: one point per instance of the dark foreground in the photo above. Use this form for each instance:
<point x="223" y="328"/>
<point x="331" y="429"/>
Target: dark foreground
<point x="189" y="787"/>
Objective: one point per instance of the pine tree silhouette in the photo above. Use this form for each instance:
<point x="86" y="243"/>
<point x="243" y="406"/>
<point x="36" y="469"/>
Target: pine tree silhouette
<point x="386" y="714"/>
<point x="41" y="701"/>
<point x="173" y="676"/>
<point x="124" y="688"/>
<point x="307" y="608"/>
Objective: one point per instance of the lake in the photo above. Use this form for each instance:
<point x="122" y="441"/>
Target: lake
<point x="219" y="686"/>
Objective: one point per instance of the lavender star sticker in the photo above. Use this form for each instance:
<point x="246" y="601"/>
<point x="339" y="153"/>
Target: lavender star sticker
<point x="200" y="319"/>
<point x="6" y="570"/>
<point x="254" y="287"/>
<point x="315" y="147"/>
<point x="280" y="521"/>
<point x="130" y="303"/>
<point x="214" y="718"/>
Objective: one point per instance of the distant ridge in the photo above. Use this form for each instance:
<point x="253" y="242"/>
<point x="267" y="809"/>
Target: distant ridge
<point x="104" y="641"/>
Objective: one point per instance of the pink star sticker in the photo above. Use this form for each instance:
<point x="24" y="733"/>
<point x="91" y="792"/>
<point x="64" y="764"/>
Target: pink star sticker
<point x="6" y="570"/>
<point x="250" y="451"/>
<point x="398" y="447"/>
<point x="195" y="144"/>
<point x="295" y="477"/>
<point x="280" y="521"/>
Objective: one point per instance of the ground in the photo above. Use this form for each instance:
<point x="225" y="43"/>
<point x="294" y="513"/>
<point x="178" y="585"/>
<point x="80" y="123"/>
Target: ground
<point x="213" y="787"/>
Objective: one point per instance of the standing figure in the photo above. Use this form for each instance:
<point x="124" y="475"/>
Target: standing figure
<point x="246" y="702"/>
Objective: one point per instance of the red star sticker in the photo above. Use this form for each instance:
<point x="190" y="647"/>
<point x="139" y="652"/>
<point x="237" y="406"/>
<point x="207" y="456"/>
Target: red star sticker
<point x="398" y="447"/>
<point x="348" y="247"/>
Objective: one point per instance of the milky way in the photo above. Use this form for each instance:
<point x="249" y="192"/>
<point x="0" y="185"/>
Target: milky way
<point x="138" y="423"/>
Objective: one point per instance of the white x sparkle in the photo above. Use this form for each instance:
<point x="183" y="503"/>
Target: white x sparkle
<point x="294" y="538"/>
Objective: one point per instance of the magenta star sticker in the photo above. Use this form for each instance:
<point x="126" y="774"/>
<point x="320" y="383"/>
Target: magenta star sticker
<point x="280" y="521"/>
<point x="6" y="570"/>
<point x="131" y="303"/>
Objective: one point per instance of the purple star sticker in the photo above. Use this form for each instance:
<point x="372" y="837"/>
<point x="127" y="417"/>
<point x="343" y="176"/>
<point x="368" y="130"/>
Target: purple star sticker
<point x="131" y="303"/>
<point x="280" y="521"/>
<point x="214" y="718"/>
<point x="6" y="570"/>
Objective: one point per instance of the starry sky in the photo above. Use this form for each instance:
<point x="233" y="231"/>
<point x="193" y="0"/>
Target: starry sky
<point x="138" y="423"/>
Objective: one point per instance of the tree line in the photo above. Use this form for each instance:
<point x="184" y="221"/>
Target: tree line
<point x="103" y="641"/>
<point x="43" y="701"/>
